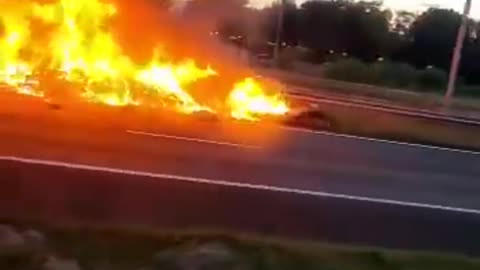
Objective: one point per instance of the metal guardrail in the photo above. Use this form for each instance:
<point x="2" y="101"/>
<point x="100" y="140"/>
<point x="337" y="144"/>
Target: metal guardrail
<point x="307" y="93"/>
<point x="388" y="108"/>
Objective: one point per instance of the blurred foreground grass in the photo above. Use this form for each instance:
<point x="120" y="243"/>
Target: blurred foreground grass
<point x="100" y="248"/>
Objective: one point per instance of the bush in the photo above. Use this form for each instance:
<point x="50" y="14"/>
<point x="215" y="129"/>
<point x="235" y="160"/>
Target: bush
<point x="287" y="58"/>
<point x="390" y="74"/>
<point x="396" y="75"/>
<point x="469" y="90"/>
<point x="432" y="79"/>
<point x="351" y="70"/>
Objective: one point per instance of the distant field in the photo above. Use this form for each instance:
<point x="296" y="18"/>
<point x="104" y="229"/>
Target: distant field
<point x="101" y="248"/>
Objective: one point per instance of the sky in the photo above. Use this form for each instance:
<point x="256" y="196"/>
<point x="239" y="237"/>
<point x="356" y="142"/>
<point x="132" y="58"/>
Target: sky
<point x="411" y="5"/>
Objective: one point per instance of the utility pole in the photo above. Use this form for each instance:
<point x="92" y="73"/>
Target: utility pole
<point x="281" y="14"/>
<point x="457" y="54"/>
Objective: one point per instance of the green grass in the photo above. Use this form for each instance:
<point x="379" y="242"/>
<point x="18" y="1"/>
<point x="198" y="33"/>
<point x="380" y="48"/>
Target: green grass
<point x="404" y="97"/>
<point x="401" y="128"/>
<point x="117" y="248"/>
<point x="373" y="124"/>
<point x="381" y="125"/>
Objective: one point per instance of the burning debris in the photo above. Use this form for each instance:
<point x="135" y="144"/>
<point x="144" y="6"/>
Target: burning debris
<point x="248" y="101"/>
<point x="66" y="48"/>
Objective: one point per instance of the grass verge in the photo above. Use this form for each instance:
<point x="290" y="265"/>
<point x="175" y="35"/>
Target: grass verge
<point x="388" y="126"/>
<point x="399" y="97"/>
<point x="121" y="248"/>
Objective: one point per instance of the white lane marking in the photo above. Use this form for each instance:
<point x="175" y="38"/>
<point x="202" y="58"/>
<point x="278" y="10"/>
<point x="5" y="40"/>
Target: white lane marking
<point x="238" y="184"/>
<point x="317" y="132"/>
<point x="191" y="139"/>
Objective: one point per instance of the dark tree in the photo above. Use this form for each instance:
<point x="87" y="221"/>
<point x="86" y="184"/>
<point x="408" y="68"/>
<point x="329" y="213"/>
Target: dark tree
<point x="358" y="29"/>
<point x="212" y="12"/>
<point x="433" y="36"/>
<point x="320" y="23"/>
<point x="332" y="29"/>
<point x="470" y="67"/>
<point x="289" y="31"/>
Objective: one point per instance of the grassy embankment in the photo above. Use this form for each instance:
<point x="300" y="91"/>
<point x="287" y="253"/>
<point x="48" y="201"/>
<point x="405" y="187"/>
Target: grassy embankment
<point x="382" y="125"/>
<point x="100" y="248"/>
<point x="423" y="100"/>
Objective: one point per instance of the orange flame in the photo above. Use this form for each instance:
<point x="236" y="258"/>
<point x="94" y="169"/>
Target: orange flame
<point x="73" y="37"/>
<point x="248" y="101"/>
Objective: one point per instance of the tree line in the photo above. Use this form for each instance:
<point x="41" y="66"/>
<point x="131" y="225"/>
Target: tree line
<point x="329" y="30"/>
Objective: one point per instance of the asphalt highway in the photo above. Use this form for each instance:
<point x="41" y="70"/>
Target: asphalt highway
<point x="104" y="198"/>
<point x="254" y="177"/>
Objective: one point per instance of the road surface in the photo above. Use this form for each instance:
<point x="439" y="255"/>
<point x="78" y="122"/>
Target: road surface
<point x="262" y="178"/>
<point x="105" y="198"/>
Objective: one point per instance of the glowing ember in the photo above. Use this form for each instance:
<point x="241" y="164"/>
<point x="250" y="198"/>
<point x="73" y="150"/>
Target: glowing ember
<point x="248" y="101"/>
<point x="72" y="38"/>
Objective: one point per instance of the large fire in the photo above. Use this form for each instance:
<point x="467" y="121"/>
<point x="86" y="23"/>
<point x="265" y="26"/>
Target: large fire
<point x="66" y="48"/>
<point x="248" y="101"/>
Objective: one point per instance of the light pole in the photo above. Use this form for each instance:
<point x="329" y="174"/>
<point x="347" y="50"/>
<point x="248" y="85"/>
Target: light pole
<point x="457" y="54"/>
<point x="280" y="17"/>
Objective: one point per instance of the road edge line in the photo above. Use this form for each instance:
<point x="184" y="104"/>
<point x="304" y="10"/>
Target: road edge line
<point x="190" y="139"/>
<point x="294" y="191"/>
<point x="360" y="138"/>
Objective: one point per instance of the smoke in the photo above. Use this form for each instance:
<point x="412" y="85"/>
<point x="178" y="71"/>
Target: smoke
<point x="139" y="27"/>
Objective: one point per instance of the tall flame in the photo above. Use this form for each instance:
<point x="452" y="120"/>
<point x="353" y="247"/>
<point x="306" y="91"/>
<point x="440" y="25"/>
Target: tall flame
<point x="249" y="102"/>
<point x="73" y="39"/>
